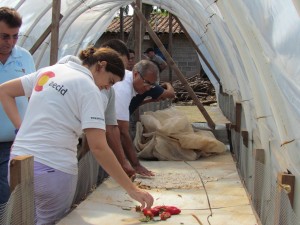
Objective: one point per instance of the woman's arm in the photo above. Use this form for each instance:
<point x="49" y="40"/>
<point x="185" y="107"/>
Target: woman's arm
<point x="106" y="158"/>
<point x="8" y="91"/>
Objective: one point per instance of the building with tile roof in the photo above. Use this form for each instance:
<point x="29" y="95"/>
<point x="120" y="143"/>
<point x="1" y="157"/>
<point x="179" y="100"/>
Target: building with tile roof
<point x="183" y="53"/>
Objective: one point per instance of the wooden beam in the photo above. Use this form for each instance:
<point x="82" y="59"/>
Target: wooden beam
<point x="238" y="116"/>
<point x="198" y="51"/>
<point x="21" y="175"/>
<point x="55" y="31"/>
<point x="171" y="62"/>
<point x="170" y="45"/>
<point x="137" y="32"/>
<point x="287" y="182"/>
<point x="285" y="185"/>
<point x="245" y="136"/>
<point x="42" y="38"/>
<point x="122" y="23"/>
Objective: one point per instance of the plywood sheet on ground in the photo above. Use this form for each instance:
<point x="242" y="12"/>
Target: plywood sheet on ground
<point x="195" y="116"/>
<point x="208" y="189"/>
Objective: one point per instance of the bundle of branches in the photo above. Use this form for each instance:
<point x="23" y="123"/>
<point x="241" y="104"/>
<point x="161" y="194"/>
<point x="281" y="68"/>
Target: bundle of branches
<point x="202" y="87"/>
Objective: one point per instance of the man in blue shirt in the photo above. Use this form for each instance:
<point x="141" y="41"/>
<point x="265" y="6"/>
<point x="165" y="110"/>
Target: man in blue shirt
<point x="14" y="62"/>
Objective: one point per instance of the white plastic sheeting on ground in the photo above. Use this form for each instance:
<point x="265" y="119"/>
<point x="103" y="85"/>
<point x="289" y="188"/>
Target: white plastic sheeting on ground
<point x="252" y="45"/>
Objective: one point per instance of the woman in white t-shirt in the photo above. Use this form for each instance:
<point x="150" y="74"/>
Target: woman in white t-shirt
<point x="64" y="101"/>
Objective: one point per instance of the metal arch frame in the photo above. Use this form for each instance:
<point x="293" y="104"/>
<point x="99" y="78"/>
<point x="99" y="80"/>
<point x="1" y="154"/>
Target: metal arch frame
<point x="89" y="29"/>
<point x="80" y="13"/>
<point x="42" y="52"/>
<point x="19" y="4"/>
<point x="34" y="24"/>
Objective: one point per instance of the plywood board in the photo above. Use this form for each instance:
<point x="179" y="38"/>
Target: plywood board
<point x="221" y="200"/>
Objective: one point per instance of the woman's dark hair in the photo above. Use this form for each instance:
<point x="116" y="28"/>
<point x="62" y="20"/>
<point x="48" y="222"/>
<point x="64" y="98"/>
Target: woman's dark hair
<point x="92" y="55"/>
<point x="11" y="17"/>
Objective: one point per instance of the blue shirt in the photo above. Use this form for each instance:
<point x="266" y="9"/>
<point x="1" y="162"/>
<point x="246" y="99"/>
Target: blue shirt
<point x="19" y="63"/>
<point x="137" y="100"/>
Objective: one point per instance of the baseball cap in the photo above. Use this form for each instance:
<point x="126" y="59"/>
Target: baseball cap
<point x="149" y="50"/>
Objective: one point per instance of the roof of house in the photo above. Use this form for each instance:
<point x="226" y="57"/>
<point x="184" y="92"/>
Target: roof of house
<point x="158" y="22"/>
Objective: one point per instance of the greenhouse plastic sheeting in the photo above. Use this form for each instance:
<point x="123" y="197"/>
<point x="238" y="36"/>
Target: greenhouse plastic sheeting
<point x="253" y="46"/>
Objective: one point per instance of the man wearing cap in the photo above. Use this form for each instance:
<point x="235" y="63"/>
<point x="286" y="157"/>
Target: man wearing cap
<point x="156" y="59"/>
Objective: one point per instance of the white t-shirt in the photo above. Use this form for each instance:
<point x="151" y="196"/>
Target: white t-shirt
<point x="108" y="95"/>
<point x="64" y="100"/>
<point x="124" y="92"/>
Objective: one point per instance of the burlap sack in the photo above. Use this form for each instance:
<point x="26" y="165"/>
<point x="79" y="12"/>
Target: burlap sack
<point x="167" y="135"/>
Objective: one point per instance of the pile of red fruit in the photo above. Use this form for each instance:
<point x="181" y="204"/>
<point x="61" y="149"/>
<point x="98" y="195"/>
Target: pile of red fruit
<point x="163" y="211"/>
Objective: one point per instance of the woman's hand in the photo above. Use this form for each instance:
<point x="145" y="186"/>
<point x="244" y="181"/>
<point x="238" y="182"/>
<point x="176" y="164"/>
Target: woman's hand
<point x="142" y="196"/>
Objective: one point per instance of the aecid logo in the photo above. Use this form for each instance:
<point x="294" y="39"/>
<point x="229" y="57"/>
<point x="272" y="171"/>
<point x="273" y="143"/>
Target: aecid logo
<point x="44" y="78"/>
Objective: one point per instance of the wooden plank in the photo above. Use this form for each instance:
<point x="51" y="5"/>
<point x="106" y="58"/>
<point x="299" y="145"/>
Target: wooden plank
<point x="170" y="46"/>
<point x="122" y="23"/>
<point x="238" y="116"/>
<point x="137" y="32"/>
<point x="285" y="185"/>
<point x="287" y="182"/>
<point x="21" y="174"/>
<point x="245" y="136"/>
<point x="175" y="183"/>
<point x="54" y="31"/>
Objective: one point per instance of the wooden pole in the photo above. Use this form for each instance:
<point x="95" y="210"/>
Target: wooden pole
<point x="173" y="65"/>
<point x="21" y="175"/>
<point x="122" y="23"/>
<point x="198" y="50"/>
<point x="137" y="32"/>
<point x="245" y="136"/>
<point x="285" y="185"/>
<point x="170" y="46"/>
<point x="238" y="116"/>
<point x="287" y="182"/>
<point x="54" y="31"/>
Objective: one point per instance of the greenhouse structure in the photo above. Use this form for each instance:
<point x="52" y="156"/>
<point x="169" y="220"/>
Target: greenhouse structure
<point x="249" y="51"/>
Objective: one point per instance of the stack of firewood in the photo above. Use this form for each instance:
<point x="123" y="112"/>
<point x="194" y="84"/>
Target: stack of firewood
<point x="202" y="87"/>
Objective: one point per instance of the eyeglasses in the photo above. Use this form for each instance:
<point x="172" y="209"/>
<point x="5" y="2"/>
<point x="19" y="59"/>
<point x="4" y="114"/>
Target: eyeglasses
<point x="6" y="37"/>
<point x="146" y="82"/>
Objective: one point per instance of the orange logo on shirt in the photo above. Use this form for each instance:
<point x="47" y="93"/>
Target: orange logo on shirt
<point x="43" y="79"/>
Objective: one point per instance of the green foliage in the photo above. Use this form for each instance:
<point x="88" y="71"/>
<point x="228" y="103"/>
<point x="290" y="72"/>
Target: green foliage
<point x="160" y="11"/>
<point x="126" y="9"/>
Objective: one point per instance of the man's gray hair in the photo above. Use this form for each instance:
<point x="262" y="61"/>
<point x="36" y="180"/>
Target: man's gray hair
<point x="146" y="66"/>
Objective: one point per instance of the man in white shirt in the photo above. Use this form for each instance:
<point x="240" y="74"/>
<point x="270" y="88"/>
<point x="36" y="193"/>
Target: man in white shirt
<point x="141" y="79"/>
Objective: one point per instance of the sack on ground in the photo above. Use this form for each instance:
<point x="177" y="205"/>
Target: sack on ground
<point x="168" y="135"/>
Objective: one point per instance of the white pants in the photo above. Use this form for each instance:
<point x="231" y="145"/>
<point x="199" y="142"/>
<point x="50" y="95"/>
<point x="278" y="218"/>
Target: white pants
<point x="53" y="193"/>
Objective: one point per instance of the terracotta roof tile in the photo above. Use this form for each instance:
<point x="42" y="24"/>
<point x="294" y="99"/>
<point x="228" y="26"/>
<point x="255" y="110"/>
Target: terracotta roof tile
<point x="158" y="22"/>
